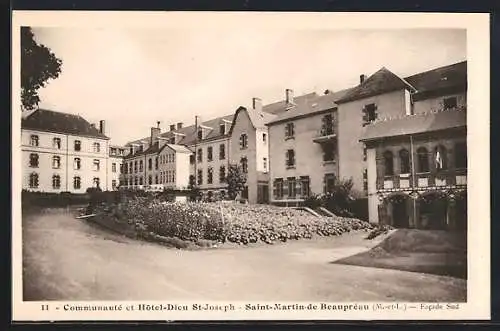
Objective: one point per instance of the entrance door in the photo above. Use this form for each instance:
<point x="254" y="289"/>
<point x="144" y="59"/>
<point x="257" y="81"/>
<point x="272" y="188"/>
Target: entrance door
<point x="263" y="194"/>
<point x="400" y="214"/>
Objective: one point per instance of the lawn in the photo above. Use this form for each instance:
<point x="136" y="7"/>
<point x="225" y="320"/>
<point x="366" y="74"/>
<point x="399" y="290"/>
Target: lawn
<point x="425" y="251"/>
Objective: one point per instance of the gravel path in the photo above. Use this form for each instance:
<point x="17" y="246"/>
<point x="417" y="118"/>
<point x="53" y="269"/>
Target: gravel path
<point x="69" y="259"/>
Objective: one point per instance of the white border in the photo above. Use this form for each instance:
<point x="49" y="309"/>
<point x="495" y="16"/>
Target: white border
<point x="477" y="26"/>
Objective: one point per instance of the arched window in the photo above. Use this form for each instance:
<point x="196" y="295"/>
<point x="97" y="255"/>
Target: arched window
<point x="423" y="159"/>
<point x="404" y="159"/>
<point x="440" y="158"/>
<point x="388" y="163"/>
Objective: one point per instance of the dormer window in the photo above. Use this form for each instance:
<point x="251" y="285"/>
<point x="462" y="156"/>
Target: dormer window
<point x="222" y="129"/>
<point x="200" y="134"/>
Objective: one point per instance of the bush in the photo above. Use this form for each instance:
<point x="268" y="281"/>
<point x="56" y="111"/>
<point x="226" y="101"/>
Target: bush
<point x="222" y="222"/>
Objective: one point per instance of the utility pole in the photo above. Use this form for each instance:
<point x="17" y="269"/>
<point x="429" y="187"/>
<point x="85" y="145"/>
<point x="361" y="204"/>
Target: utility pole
<point x="414" y="197"/>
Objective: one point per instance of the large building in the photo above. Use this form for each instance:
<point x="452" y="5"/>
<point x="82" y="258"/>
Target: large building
<point x="63" y="153"/>
<point x="302" y="144"/>
<point x="417" y="170"/>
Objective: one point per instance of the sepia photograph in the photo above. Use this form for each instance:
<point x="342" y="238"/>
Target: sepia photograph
<point x="274" y="166"/>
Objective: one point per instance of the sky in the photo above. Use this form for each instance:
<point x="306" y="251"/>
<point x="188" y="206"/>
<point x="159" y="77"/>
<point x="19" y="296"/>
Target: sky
<point x="132" y="78"/>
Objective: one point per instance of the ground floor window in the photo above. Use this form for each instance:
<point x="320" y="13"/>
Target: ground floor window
<point x="329" y="183"/>
<point x="292" y="187"/>
<point x="305" y="188"/>
<point x="278" y="188"/>
<point x="77" y="183"/>
<point x="33" y="180"/>
<point x="113" y="184"/>
<point x="56" y="182"/>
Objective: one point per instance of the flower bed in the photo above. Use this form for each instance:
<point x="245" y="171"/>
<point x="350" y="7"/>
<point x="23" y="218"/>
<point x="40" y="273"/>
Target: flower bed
<point x="223" y="222"/>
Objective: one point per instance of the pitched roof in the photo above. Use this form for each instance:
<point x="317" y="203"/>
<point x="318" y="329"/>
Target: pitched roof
<point x="279" y="106"/>
<point x="314" y="103"/>
<point x="443" y="78"/>
<point x="177" y="148"/>
<point x="414" y="124"/>
<point x="58" y="122"/>
<point x="382" y="81"/>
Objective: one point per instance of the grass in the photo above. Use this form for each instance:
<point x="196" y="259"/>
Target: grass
<point x="433" y="252"/>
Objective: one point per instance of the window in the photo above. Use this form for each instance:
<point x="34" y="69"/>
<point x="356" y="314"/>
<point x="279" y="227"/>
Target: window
<point x="222" y="174"/>
<point x="423" y="159"/>
<point x="56" y="162"/>
<point x="222" y="152"/>
<point x="136" y="181"/>
<point x="191" y="159"/>
<point x="96" y="181"/>
<point x="264" y="163"/>
<point x="440" y="158"/>
<point x="130" y="168"/>
<point x="34" y="140"/>
<point x="304" y="186"/>
<point x="244" y="164"/>
<point x="113" y="167"/>
<point x="56" y="143"/>
<point x="264" y="138"/>
<point x="327" y="125"/>
<point x="34" y="160"/>
<point x="289" y="130"/>
<point x="112" y="151"/>
<point x="123" y="168"/>
<point x="33" y="180"/>
<point x="200" y="134"/>
<point x="292" y="188"/>
<point x="150" y="164"/>
<point x="364" y="153"/>
<point x="150" y="180"/>
<point x="461" y="155"/>
<point x="141" y="166"/>
<point x="200" y="177"/>
<point x="156" y="179"/>
<point x="369" y="113"/>
<point x="222" y="129"/>
<point x="328" y="152"/>
<point x="329" y="183"/>
<point x="141" y="180"/>
<point x="77" y="163"/>
<point x="77" y="145"/>
<point x="290" y="158"/>
<point x="56" y="182"/>
<point x="135" y="166"/>
<point x="113" y="184"/>
<point x="209" y="153"/>
<point x="388" y="163"/>
<point x="200" y="154"/>
<point x="77" y="183"/>
<point x="404" y="159"/>
<point x="243" y="141"/>
<point x="156" y="163"/>
<point x="210" y="176"/>
<point x="278" y="188"/>
<point x="450" y="103"/>
<point x="96" y="165"/>
<point x="96" y="147"/>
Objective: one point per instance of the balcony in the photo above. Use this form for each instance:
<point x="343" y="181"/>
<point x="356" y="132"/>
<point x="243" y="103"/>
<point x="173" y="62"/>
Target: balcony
<point x="456" y="177"/>
<point x="326" y="134"/>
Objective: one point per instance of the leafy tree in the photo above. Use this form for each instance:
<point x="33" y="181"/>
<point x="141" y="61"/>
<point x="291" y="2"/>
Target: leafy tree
<point x="38" y="65"/>
<point x="236" y="180"/>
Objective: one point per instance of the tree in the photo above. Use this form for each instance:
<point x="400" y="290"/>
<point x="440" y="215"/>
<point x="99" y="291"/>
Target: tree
<point x="38" y="65"/>
<point x="236" y="180"/>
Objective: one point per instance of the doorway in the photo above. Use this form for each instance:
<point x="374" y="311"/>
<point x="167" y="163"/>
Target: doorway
<point x="400" y="215"/>
<point x="433" y="212"/>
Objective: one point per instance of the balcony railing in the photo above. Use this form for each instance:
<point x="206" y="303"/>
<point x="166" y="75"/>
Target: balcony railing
<point x="457" y="177"/>
<point x="325" y="134"/>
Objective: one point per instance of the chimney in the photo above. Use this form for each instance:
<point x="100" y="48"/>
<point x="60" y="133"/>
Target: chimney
<point x="172" y="127"/>
<point x="155" y="132"/>
<point x="362" y="78"/>
<point x="102" y="127"/>
<point x="179" y="125"/>
<point x="257" y="104"/>
<point x="289" y="96"/>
